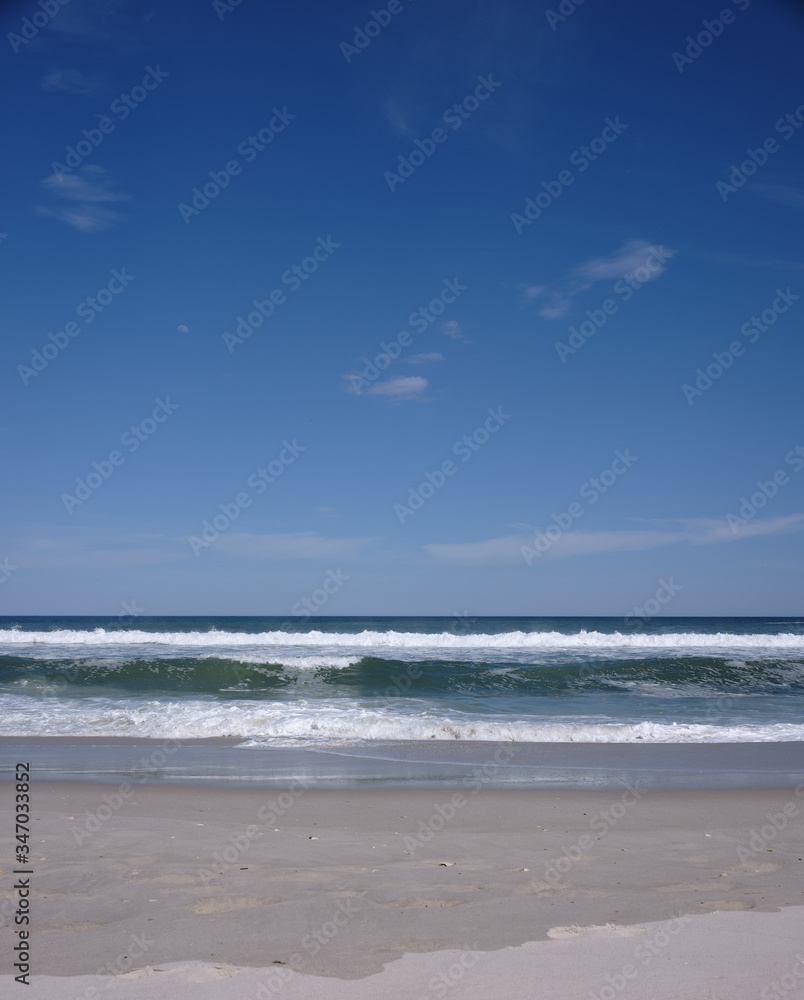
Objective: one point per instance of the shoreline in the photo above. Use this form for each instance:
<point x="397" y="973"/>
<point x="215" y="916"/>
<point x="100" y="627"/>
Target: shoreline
<point x="226" y="762"/>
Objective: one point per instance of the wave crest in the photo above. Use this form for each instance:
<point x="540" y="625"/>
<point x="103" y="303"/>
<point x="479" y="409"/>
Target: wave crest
<point x="407" y="640"/>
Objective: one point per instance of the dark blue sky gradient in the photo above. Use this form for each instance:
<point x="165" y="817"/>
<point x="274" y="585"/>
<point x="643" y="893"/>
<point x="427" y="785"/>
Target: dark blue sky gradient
<point x="322" y="177"/>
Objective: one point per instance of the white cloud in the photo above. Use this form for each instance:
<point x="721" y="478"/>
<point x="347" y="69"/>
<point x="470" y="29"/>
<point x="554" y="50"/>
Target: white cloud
<point x="422" y="359"/>
<point x="401" y="387"/>
<point x="507" y="550"/>
<point x="89" y="190"/>
<point x="327" y="511"/>
<point x="70" y="81"/>
<point x="294" y="545"/>
<point x="630" y="257"/>
<point x="452" y="329"/>
<point x="558" y="307"/>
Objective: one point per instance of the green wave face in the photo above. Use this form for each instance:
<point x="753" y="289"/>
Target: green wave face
<point x="377" y="676"/>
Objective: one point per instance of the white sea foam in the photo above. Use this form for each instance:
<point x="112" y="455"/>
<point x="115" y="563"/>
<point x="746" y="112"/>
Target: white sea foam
<point x="290" y="723"/>
<point x="291" y="663"/>
<point x="581" y="640"/>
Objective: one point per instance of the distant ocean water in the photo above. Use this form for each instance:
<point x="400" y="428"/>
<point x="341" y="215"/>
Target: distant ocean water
<point x="327" y="681"/>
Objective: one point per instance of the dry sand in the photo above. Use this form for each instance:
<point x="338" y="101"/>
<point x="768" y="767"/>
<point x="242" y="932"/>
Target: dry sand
<point x="410" y="892"/>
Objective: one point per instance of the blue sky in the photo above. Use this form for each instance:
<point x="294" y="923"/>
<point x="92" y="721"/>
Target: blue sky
<point x="432" y="211"/>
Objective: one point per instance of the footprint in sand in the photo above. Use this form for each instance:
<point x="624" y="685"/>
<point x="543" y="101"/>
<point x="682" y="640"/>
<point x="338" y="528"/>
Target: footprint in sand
<point x="225" y="904"/>
<point x="554" y="890"/>
<point x="166" y="879"/>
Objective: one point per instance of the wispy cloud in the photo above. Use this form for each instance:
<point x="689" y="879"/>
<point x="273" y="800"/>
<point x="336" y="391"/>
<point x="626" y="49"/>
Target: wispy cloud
<point x="94" y="22"/>
<point x="739" y="260"/>
<point x="629" y="257"/>
<point x="89" y="193"/>
<point x="453" y="329"/>
<point x="293" y="545"/>
<point x="399" y="117"/>
<point x="97" y="552"/>
<point x="402" y="387"/>
<point x="423" y="359"/>
<point x="70" y="81"/>
<point x="507" y="550"/>
<point x="557" y="297"/>
<point x="102" y="550"/>
<point x="782" y="194"/>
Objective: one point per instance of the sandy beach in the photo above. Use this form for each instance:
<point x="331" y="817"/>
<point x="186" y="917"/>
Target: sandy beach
<point x="156" y="890"/>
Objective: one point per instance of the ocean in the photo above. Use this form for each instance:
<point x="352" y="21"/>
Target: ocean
<point x="330" y="681"/>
